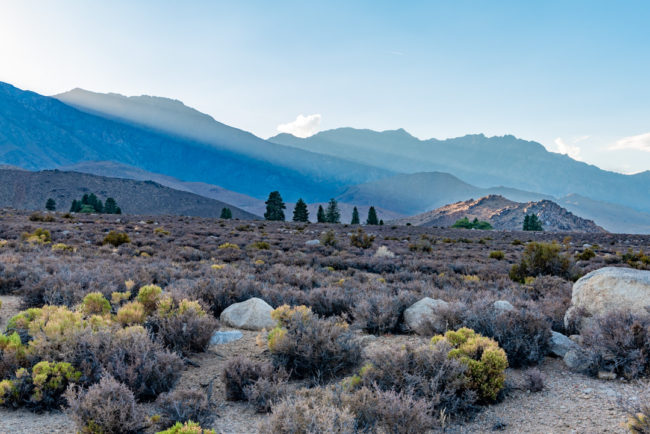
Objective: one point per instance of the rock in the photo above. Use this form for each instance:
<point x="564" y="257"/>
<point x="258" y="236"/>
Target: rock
<point x="503" y="305"/>
<point x="604" y="375"/>
<point x="560" y="344"/>
<point x="252" y="314"/>
<point x="577" y="360"/>
<point x="609" y="289"/>
<point x="422" y="317"/>
<point x="312" y="243"/>
<point x="219" y="338"/>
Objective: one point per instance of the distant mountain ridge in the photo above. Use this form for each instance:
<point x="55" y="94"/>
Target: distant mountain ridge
<point x="504" y="214"/>
<point x="38" y="132"/>
<point x="481" y="161"/>
<point x="24" y="189"/>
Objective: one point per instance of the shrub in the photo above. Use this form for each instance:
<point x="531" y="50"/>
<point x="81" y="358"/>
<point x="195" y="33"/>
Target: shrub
<point x="497" y="254"/>
<point x="161" y="231"/>
<point x="38" y="217"/>
<point x="185" y="329"/>
<point x="42" y="389"/>
<point x="187" y="428"/>
<point x="149" y="296"/>
<point x="261" y="245"/>
<point x="486" y="362"/>
<point x="39" y="236"/>
<point x="585" y="255"/>
<point x="638" y="411"/>
<point x="540" y="259"/>
<point x="185" y="405"/>
<point x="107" y="407"/>
<point x="116" y="239"/>
<point x="534" y="380"/>
<point x="383" y="252"/>
<point x="381" y="313"/>
<point x="329" y="239"/>
<point x="619" y="342"/>
<point x="425" y="372"/>
<point x="61" y="247"/>
<point x="308" y="413"/>
<point x="95" y="303"/>
<point x="229" y="246"/>
<point x="240" y="373"/>
<point x="523" y="334"/>
<point x="12" y="354"/>
<point x="264" y="392"/>
<point x="312" y="347"/>
<point x="361" y="239"/>
<point x="131" y="313"/>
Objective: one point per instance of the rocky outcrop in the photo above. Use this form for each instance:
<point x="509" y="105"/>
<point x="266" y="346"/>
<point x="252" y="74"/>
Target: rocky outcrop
<point x="424" y="316"/>
<point x="606" y="290"/>
<point x="252" y="314"/>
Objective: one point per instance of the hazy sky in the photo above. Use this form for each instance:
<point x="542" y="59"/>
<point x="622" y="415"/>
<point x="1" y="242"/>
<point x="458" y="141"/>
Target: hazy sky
<point x="573" y="75"/>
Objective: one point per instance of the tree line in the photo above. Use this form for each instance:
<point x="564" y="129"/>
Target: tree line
<point x="275" y="207"/>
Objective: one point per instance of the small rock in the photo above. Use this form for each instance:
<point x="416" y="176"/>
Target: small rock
<point x="604" y="375"/>
<point x="503" y="305"/>
<point x="422" y="317"/>
<point x="560" y="344"/>
<point x="577" y="360"/>
<point x="312" y="243"/>
<point x="219" y="338"/>
<point x="252" y="314"/>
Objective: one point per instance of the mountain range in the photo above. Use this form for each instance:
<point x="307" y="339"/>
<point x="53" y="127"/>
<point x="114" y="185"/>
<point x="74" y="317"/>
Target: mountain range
<point x="160" y="139"/>
<point x="504" y="214"/>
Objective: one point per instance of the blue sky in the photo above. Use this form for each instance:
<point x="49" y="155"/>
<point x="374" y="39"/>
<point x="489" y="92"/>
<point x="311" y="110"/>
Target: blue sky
<point x="573" y="75"/>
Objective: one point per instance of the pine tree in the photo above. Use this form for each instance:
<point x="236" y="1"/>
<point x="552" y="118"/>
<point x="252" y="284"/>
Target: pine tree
<point x="274" y="207"/>
<point x="532" y="223"/>
<point x="75" y="207"/>
<point x="118" y="210"/>
<point x="381" y="222"/>
<point x="110" y="207"/>
<point x="84" y="200"/>
<point x="527" y="223"/>
<point x="226" y="213"/>
<point x="300" y="212"/>
<point x="333" y="215"/>
<point x="320" y="215"/>
<point x="50" y="205"/>
<point x="355" y="217"/>
<point x="372" y="217"/>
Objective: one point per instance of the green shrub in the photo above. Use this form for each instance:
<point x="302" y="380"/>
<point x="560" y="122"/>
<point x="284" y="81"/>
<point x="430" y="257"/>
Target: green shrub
<point x="185" y="405"/>
<point x="187" y="428"/>
<point x="261" y="245"/>
<point x="39" y="236"/>
<point x="540" y="259"/>
<point x="149" y="295"/>
<point x="95" y="303"/>
<point x="362" y="239"/>
<point x="497" y="254"/>
<point x="486" y="362"/>
<point x="116" y="239"/>
<point x="131" y="313"/>
<point x="585" y="255"/>
<point x="329" y="239"/>
<point x="464" y="223"/>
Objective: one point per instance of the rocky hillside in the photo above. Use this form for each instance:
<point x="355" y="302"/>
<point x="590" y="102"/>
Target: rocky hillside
<point x="23" y="189"/>
<point x="504" y="214"/>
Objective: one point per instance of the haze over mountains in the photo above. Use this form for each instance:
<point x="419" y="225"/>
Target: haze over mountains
<point x="159" y="139"/>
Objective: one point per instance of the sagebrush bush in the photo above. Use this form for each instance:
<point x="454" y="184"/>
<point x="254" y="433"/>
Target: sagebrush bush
<point x="524" y="334"/>
<point x="185" y="405"/>
<point x="187" y="428"/>
<point x="116" y="239"/>
<point x="309" y="346"/>
<point x="107" y="407"/>
<point x="382" y="312"/>
<point x="486" y="362"/>
<point x="497" y="254"/>
<point x="131" y="313"/>
<point x="240" y="373"/>
<point x="361" y="239"/>
<point x="539" y="259"/>
<point x="619" y="342"/>
<point x="95" y="303"/>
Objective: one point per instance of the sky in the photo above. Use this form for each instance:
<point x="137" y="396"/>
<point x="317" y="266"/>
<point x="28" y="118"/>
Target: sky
<point x="572" y="75"/>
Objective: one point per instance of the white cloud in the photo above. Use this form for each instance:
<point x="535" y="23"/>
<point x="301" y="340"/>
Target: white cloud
<point x="640" y="143"/>
<point x="303" y="126"/>
<point x="569" y="149"/>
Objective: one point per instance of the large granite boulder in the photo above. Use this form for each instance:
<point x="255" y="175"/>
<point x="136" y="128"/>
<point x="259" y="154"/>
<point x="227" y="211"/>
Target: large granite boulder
<point x="252" y="314"/>
<point x="609" y="289"/>
<point x="424" y="316"/>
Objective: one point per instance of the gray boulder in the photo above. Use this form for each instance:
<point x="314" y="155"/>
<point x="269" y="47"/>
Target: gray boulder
<point x="609" y="289"/>
<point x="312" y="243"/>
<point x="503" y="305"/>
<point x="252" y="314"/>
<point x="560" y="344"/>
<point x="424" y="316"/>
<point x="577" y="360"/>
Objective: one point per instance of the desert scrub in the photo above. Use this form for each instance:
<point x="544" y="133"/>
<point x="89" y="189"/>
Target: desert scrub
<point x="229" y="246"/>
<point x="542" y="259"/>
<point x="161" y="231"/>
<point x="329" y="239"/>
<point x="148" y="296"/>
<point x="486" y="362"/>
<point x="95" y="303"/>
<point x="131" y="313"/>
<point x="117" y="298"/>
<point x="39" y="236"/>
<point x="361" y="239"/>
<point x="12" y="354"/>
<point x="185" y="405"/>
<point x="308" y="346"/>
<point x="64" y="248"/>
<point x="187" y="428"/>
<point x="586" y="255"/>
<point x="107" y="407"/>
<point x="497" y="254"/>
<point x="260" y="245"/>
<point x="116" y="239"/>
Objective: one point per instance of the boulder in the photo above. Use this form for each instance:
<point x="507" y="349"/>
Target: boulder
<point x="252" y="314"/>
<point x="560" y="344"/>
<point x="609" y="289"/>
<point x="219" y="337"/>
<point x="424" y="316"/>
<point x="312" y="243"/>
<point x="577" y="360"/>
<point x="503" y="305"/>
